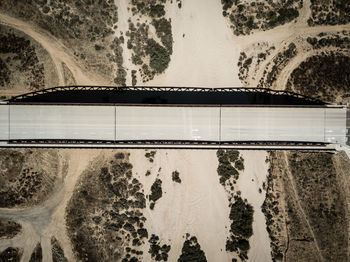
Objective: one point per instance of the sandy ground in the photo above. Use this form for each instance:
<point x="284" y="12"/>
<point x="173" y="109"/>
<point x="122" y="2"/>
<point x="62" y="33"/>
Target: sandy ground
<point x="41" y="222"/>
<point x="205" y="54"/>
<point x="255" y="173"/>
<point x="198" y="206"/>
<point x="204" y="49"/>
<point x="123" y="26"/>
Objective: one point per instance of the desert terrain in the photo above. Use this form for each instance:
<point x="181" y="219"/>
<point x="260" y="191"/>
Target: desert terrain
<point x="175" y="205"/>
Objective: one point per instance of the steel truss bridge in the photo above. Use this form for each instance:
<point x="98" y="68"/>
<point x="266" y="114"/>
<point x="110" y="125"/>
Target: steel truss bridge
<point x="165" y="89"/>
<point x="314" y="125"/>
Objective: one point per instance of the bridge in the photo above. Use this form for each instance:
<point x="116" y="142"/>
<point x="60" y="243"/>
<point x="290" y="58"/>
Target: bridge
<point x="41" y="119"/>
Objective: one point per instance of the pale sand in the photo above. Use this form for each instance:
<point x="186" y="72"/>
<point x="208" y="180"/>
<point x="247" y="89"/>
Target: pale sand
<point x="198" y="206"/>
<point x="206" y="56"/>
<point x="250" y="181"/>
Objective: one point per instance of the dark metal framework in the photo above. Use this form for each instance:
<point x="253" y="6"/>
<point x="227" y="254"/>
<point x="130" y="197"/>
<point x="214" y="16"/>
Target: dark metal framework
<point x="162" y="89"/>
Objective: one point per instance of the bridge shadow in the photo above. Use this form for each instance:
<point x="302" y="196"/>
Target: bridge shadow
<point x="165" y="96"/>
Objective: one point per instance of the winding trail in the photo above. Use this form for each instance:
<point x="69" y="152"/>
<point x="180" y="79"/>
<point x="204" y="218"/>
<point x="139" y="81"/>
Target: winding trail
<point x="41" y="222"/>
<point x="57" y="51"/>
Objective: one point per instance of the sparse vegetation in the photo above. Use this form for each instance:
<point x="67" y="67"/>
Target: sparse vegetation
<point x="176" y="176"/>
<point x="246" y="16"/>
<point x="150" y="155"/>
<point x="57" y="251"/>
<point x="37" y="254"/>
<point x="19" y="62"/>
<point x="159" y="56"/>
<point x="26" y="176"/>
<point x="335" y="12"/>
<point x="11" y="254"/>
<point x="156" y="192"/>
<point x="163" y="31"/>
<point x="133" y="77"/>
<point x="81" y="25"/>
<point x="191" y="251"/>
<point x="119" y="155"/>
<point x="9" y="228"/>
<point x="179" y="3"/>
<point x="325" y="76"/>
<point x="288" y="229"/>
<point x="277" y="64"/>
<point x="151" y="55"/>
<point x="226" y="170"/>
<point x="249" y="63"/>
<point x="241" y="215"/>
<point x="158" y="252"/>
<point x="104" y="216"/>
<point x="332" y="40"/>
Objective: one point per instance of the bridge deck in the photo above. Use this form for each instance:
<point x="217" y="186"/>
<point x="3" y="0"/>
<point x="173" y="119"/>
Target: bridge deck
<point x="169" y="123"/>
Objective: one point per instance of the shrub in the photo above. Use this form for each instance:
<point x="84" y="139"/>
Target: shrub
<point x="191" y="251"/>
<point x="239" y="164"/>
<point x="225" y="169"/>
<point x="159" y="56"/>
<point x="156" y="190"/>
<point x="241" y="215"/>
<point x="119" y="156"/>
<point x="175" y="176"/>
<point x="156" y="10"/>
<point x="163" y="30"/>
<point x="232" y="155"/>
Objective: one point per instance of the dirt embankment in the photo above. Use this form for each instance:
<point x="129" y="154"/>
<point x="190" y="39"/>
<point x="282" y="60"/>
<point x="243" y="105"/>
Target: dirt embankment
<point x="306" y="206"/>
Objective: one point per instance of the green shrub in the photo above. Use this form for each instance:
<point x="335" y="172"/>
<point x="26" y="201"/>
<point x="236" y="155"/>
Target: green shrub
<point x="119" y="156"/>
<point x="232" y="155"/>
<point x="175" y="176"/>
<point x="163" y="30"/>
<point x="239" y="164"/>
<point x="156" y="10"/>
<point x="241" y="215"/>
<point x="156" y="190"/>
<point x="159" y="56"/>
<point x="191" y="251"/>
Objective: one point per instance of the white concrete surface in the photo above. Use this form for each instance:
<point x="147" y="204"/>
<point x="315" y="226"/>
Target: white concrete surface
<point x="272" y="124"/>
<point x="335" y="125"/>
<point x="4" y="122"/>
<point x="62" y="122"/>
<point x="195" y="123"/>
<point x="167" y="123"/>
